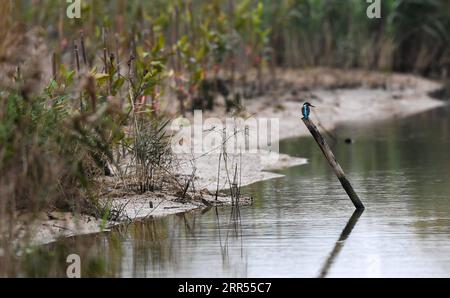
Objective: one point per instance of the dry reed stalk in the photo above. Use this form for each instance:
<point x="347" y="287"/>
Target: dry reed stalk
<point x="83" y="50"/>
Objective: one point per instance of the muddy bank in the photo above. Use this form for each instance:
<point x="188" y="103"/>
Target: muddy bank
<point x="340" y="96"/>
<point x="49" y="227"/>
<point x="344" y="96"/>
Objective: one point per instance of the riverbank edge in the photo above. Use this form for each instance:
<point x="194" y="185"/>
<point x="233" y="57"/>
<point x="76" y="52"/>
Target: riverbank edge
<point x="409" y="98"/>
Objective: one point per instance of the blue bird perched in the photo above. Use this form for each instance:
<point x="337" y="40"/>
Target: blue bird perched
<point x="306" y="110"/>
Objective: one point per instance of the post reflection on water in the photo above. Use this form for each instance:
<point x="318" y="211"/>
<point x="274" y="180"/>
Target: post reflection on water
<point x="340" y="242"/>
<point x="400" y="169"/>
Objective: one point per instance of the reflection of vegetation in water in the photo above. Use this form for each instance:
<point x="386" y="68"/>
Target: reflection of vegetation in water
<point x="50" y="260"/>
<point x="139" y="249"/>
<point x="101" y="255"/>
<point x="443" y="93"/>
<point x="229" y="231"/>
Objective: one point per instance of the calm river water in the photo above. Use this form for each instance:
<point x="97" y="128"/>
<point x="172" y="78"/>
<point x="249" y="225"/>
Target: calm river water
<point x="301" y="225"/>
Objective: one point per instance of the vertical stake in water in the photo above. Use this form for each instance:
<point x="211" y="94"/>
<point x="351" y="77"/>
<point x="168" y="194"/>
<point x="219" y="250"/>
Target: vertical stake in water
<point x="333" y="163"/>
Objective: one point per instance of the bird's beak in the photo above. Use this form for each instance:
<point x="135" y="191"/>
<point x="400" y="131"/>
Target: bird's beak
<point x="312" y="106"/>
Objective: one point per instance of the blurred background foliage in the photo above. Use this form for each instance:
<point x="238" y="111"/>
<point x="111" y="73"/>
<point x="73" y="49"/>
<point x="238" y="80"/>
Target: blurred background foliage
<point x="412" y="35"/>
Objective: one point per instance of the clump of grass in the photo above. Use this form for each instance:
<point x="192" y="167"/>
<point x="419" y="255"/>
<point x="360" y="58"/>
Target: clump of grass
<point x="49" y="153"/>
<point x="151" y="154"/>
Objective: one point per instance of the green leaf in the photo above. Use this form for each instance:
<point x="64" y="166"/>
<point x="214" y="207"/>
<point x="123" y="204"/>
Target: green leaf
<point x="117" y="85"/>
<point x="101" y="78"/>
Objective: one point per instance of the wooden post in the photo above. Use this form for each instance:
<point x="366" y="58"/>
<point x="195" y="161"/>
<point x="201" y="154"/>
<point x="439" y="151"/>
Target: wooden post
<point x="333" y="163"/>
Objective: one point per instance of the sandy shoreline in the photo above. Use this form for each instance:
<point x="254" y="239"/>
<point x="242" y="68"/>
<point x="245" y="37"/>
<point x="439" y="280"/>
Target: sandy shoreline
<point x="340" y="97"/>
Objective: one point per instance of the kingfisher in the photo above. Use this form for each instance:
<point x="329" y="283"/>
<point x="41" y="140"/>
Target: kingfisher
<point x="306" y="110"/>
